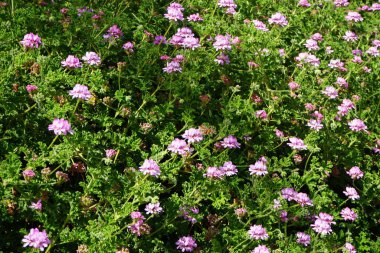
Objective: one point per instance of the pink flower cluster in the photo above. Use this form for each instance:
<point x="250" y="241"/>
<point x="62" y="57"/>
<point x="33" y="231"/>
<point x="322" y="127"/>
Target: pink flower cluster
<point x="259" y="168"/>
<point x="81" y="92"/>
<point x="31" y="40"/>
<point x="228" y="169"/>
<point x="301" y="198"/>
<point x="278" y="19"/>
<point x="229" y="5"/>
<point x="186" y="244"/>
<point x="114" y="32"/>
<point x="322" y="224"/>
<point x="258" y="232"/>
<point x="60" y="126"/>
<point x="138" y="227"/>
<point x="150" y="167"/>
<point x="174" y="65"/>
<point x="296" y="143"/>
<point x="36" y="239"/>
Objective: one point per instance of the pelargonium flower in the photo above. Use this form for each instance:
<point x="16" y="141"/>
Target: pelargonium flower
<point x="240" y="212"/>
<point x="28" y="174"/>
<point x="194" y="18"/>
<point x="302" y="199"/>
<point x="278" y="19"/>
<point x="349" y="248"/>
<point x="323" y="223"/>
<point x="351" y="193"/>
<point x="186" y="243"/>
<point x="331" y="92"/>
<point x="284" y="216"/>
<point x="227" y="3"/>
<point x="92" y="58"/>
<point x="276" y="204"/>
<point x="304" y="3"/>
<point x="303" y="238"/>
<point x="350" y="36"/>
<point x="311" y="45"/>
<point x="317" y="37"/>
<point x="190" y="42"/>
<point x="214" y="172"/>
<point x="172" y="66"/>
<point x="296" y="143"/>
<point x="259" y="168"/>
<point x="179" y="147"/>
<point x="342" y="82"/>
<point x="30" y="88"/>
<point x="348" y="214"/>
<point x="153" y="208"/>
<point x="128" y="46"/>
<point x="341" y="3"/>
<point x="36" y="239"/>
<point x="373" y="51"/>
<point x="288" y="193"/>
<point x="222" y="42"/>
<point x="150" y="167"/>
<point x="258" y="232"/>
<point x="71" y="62"/>
<point x="159" y="40"/>
<point x="261" y="114"/>
<point x="260" y="25"/>
<point x="357" y="59"/>
<point x="174" y="12"/>
<point x="261" y="249"/>
<point x="113" y="32"/>
<point x="355" y="173"/>
<point x="36" y="205"/>
<point x="60" y="126"/>
<point x="110" y="153"/>
<point x="31" y="40"/>
<point x="230" y="142"/>
<point x="294" y="86"/>
<point x="193" y="135"/>
<point x="315" y="124"/>
<point x="222" y="59"/>
<point x="81" y="92"/>
<point x="228" y="169"/>
<point x="353" y="16"/>
<point x="336" y="64"/>
<point x="357" y="125"/>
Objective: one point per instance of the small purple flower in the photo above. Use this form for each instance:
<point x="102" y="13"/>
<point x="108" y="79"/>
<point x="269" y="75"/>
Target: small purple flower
<point x="302" y="199"/>
<point x="128" y="46"/>
<point x="159" y="40"/>
<point x="180" y="147"/>
<point x="357" y="125"/>
<point x="278" y="19"/>
<point x="28" y="174"/>
<point x="195" y="18"/>
<point x="373" y="51"/>
<point x="186" y="243"/>
<point x="330" y="92"/>
<point x="260" y="25"/>
<point x="228" y="169"/>
<point x="60" y="126"/>
<point x="81" y="92"/>
<point x="36" y="205"/>
<point x="110" y="153"/>
<point x="304" y="3"/>
<point x="353" y="16"/>
<point x="36" y="239"/>
<point x="311" y="45"/>
<point x="341" y="3"/>
<point x="323" y="223"/>
<point x="294" y="86"/>
<point x="30" y="88"/>
<point x="222" y="42"/>
<point x="317" y="37"/>
<point x="260" y="249"/>
<point x="288" y="193"/>
<point x="337" y="64"/>
<point x="31" y="40"/>
<point x="150" y="167"/>
<point x="348" y="214"/>
<point x="174" y="12"/>
<point x="71" y="62"/>
<point x="153" y="208"/>
<point x="92" y="59"/>
<point x="227" y="3"/>
<point x="350" y="36"/>
<point x="303" y="238"/>
<point x="355" y="173"/>
<point x="222" y="59"/>
<point x="296" y="143"/>
<point x="351" y="193"/>
<point x="172" y="66"/>
<point x="190" y="42"/>
<point x="261" y="114"/>
<point x="230" y="142"/>
<point x="315" y="124"/>
<point x="113" y="32"/>
<point x="240" y="212"/>
<point x="213" y="172"/>
<point x="349" y="248"/>
<point x="258" y="232"/>
<point x="259" y="168"/>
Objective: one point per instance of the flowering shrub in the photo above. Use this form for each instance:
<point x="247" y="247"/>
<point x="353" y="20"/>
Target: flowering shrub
<point x="190" y="126"/>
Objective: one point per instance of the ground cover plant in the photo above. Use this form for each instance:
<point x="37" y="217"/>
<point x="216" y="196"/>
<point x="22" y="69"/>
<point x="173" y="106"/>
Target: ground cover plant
<point x="189" y="126"/>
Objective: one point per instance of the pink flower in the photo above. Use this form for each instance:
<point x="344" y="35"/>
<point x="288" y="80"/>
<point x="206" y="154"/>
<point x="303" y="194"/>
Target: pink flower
<point x="279" y="133"/>
<point x="186" y="243"/>
<point x="30" y="88"/>
<point x="230" y="142"/>
<point x="113" y="32"/>
<point x="261" y="114"/>
<point x="222" y="59"/>
<point x="349" y="248"/>
<point x="315" y="124"/>
<point x="71" y="62"/>
<point x="110" y="153"/>
<point x="357" y="125"/>
<point x="260" y="25"/>
<point x="341" y="3"/>
<point x="31" y="40"/>
<point x="296" y="143"/>
<point x="222" y="42"/>
<point x="281" y="51"/>
<point x="153" y="208"/>
<point x="37" y="205"/>
<point x="261" y="249"/>
<point x="351" y="193"/>
<point x="214" y="172"/>
<point x="193" y="135"/>
<point x="373" y="51"/>
<point x="317" y="37"/>
<point x="309" y="106"/>
<point x="240" y="212"/>
<point x="329" y="50"/>
<point x="150" y="167"/>
<point x="355" y="173"/>
<point x="350" y="36"/>
<point x="330" y="92"/>
<point x="278" y="19"/>
<point x="259" y="168"/>
<point x="92" y="59"/>
<point x="357" y="59"/>
<point x="128" y="46"/>
<point x="323" y="223"/>
<point x="276" y="204"/>
<point x="36" y="239"/>
<point x="342" y="82"/>
<point x="302" y="199"/>
<point x="336" y="64"/>
<point x="294" y="86"/>
<point x="258" y="232"/>
<point x="81" y="92"/>
<point x="60" y="126"/>
<point x="179" y="147"/>
<point x="227" y="3"/>
<point x="348" y="214"/>
<point x="288" y="193"/>
<point x="353" y="16"/>
<point x="303" y="238"/>
<point x="195" y="17"/>
<point x="311" y="45"/>
<point x="304" y="3"/>
<point x="172" y="66"/>
<point x="28" y="174"/>
<point x="174" y="12"/>
<point x="284" y="216"/>
<point x="228" y="169"/>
